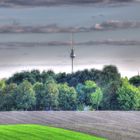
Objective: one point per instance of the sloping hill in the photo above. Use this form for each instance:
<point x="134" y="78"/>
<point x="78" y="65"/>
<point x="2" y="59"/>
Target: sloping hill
<point x="115" y="125"/>
<point x="39" y="132"/>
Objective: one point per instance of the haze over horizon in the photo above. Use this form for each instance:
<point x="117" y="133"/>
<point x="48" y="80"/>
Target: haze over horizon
<point x="37" y="34"/>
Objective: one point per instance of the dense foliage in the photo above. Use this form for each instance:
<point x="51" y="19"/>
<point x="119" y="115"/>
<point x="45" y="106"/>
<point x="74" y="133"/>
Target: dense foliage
<point x="135" y="80"/>
<point x="83" y="90"/>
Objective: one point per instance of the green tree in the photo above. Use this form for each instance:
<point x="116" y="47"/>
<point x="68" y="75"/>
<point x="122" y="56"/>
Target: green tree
<point x="110" y="83"/>
<point x="137" y="100"/>
<point x="135" y="80"/>
<point x="96" y="98"/>
<point x="110" y="96"/>
<point x="67" y="97"/>
<point x="128" y="96"/>
<point x="51" y="95"/>
<point x="25" y="96"/>
<point x="109" y="74"/>
<point x="8" y="98"/>
<point x="93" y="94"/>
<point x="89" y="94"/>
<point x="39" y="94"/>
<point x="81" y="96"/>
<point x="89" y="88"/>
<point x="2" y="86"/>
<point x="47" y="75"/>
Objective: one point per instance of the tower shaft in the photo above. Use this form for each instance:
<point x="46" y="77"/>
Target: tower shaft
<point x="72" y="65"/>
<point x="72" y="55"/>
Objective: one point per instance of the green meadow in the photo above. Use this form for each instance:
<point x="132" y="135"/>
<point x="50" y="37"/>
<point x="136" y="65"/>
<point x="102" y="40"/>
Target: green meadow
<point x="38" y="132"/>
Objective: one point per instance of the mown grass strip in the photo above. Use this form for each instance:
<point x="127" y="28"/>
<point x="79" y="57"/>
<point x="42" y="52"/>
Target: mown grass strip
<point x="38" y="132"/>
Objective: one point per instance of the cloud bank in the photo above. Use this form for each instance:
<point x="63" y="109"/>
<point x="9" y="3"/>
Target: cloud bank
<point x="54" y="28"/>
<point x="116" y="24"/>
<point x="17" y="45"/>
<point x="12" y="3"/>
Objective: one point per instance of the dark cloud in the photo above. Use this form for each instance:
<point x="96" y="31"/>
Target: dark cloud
<point x="104" y="42"/>
<point x="6" y="47"/>
<point x="54" y="28"/>
<point x="39" y="29"/>
<point x="116" y="24"/>
<point x="112" y="42"/>
<point x="21" y="65"/>
<point x="17" y="45"/>
<point x="56" y="2"/>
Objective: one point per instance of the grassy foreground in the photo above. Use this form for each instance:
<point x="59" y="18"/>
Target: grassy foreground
<point x="38" y="132"/>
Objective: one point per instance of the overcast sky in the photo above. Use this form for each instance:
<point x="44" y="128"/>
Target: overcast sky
<point x="37" y="34"/>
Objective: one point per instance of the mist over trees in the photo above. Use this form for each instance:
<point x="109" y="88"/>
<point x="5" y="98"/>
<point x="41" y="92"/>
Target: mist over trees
<point x="83" y="90"/>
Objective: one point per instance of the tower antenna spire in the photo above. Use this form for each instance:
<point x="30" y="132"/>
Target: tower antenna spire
<point x="72" y="54"/>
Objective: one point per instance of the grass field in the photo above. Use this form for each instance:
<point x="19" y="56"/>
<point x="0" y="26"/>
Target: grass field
<point x="38" y="132"/>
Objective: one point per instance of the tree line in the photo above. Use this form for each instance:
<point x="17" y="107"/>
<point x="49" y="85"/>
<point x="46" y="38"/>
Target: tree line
<point x="83" y="90"/>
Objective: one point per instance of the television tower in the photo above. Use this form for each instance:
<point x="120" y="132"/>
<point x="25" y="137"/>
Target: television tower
<point x="72" y="54"/>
